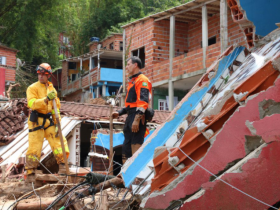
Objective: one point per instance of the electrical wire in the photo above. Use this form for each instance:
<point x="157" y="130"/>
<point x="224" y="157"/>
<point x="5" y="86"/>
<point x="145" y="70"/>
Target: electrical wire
<point x="68" y="203"/>
<point x="37" y="196"/>
<point x="62" y="196"/>
<point x="102" y="145"/>
<point x="7" y="200"/>
<point x="104" y="181"/>
<point x="121" y="199"/>
<point x="47" y="169"/>
<point x="196" y="163"/>
<point x="19" y="200"/>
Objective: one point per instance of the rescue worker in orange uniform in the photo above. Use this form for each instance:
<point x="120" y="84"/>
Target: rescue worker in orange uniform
<point x="136" y="103"/>
<point x="42" y="122"/>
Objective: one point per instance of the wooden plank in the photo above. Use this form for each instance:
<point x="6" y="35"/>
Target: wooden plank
<point x="111" y="142"/>
<point x="104" y="201"/>
<point x="61" y="139"/>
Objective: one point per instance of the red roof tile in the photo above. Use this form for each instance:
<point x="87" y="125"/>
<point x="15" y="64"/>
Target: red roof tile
<point x="12" y="120"/>
<point x="13" y="117"/>
<point x="97" y="112"/>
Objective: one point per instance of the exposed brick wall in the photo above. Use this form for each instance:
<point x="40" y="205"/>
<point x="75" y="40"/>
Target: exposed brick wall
<point x="10" y="56"/>
<point x="10" y="75"/>
<point x="64" y="75"/>
<point x="116" y="39"/>
<point x="98" y="163"/>
<point x="85" y="81"/>
<point x="76" y="97"/>
<point x="235" y="35"/>
<point x="155" y="37"/>
<point x="139" y="35"/>
<point x="93" y="46"/>
<point x="161" y="36"/>
<point x="65" y="51"/>
<point x="185" y="64"/>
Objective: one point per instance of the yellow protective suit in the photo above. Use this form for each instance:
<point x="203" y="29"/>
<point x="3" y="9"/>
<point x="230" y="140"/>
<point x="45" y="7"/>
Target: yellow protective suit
<point x="36" y="94"/>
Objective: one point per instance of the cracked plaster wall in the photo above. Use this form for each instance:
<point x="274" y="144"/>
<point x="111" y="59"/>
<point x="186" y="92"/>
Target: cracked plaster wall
<point x="228" y="146"/>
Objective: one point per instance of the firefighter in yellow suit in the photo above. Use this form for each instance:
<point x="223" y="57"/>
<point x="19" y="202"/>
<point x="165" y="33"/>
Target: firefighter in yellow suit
<point x="42" y="122"/>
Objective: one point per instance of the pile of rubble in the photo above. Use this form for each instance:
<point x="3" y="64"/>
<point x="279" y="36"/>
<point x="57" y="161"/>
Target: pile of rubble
<point x="50" y="195"/>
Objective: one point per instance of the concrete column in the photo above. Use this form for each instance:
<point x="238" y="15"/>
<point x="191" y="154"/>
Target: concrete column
<point x="97" y="92"/>
<point x="90" y="63"/>
<point x="98" y="62"/>
<point x="104" y="89"/>
<point x="171" y="56"/>
<point x="81" y="63"/>
<point x="223" y="25"/>
<point x="204" y="33"/>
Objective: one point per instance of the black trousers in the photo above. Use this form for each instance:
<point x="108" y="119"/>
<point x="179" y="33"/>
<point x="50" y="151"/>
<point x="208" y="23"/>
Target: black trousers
<point x="130" y="137"/>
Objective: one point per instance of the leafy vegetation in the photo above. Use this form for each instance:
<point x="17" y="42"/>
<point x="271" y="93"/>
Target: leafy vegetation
<point x="33" y="26"/>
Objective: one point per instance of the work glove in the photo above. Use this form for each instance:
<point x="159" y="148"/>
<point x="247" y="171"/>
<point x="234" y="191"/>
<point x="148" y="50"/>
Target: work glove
<point x="136" y="122"/>
<point x="115" y="115"/>
<point x="51" y="95"/>
<point x="56" y="131"/>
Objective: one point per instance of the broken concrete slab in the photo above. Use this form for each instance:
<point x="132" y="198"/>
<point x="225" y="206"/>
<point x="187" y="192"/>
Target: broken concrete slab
<point x="232" y="141"/>
<point x="217" y="195"/>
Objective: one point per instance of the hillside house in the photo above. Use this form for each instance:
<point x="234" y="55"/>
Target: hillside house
<point x="96" y="73"/>
<point x="7" y="67"/>
<point x="190" y="37"/>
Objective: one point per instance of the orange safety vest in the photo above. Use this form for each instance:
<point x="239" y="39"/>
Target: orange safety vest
<point x="139" y="92"/>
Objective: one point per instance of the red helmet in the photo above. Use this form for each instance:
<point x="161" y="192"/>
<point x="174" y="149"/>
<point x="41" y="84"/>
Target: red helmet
<point x="44" y="68"/>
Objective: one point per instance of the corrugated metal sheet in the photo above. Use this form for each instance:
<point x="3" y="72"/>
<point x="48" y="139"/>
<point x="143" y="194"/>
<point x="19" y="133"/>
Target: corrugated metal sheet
<point x="18" y="148"/>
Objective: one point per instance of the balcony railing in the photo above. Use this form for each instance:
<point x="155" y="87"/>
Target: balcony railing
<point x="92" y="77"/>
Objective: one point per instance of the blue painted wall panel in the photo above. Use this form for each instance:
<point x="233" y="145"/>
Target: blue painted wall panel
<point x="170" y="127"/>
<point x="103" y="140"/>
<point x="111" y="75"/>
<point x="263" y="13"/>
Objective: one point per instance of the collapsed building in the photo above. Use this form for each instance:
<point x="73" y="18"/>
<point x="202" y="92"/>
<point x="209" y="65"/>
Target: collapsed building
<point x="222" y="139"/>
<point x="220" y="134"/>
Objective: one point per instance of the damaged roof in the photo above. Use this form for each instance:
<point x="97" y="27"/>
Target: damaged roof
<point x="86" y="111"/>
<point x="209" y="129"/>
<point x="18" y="147"/>
<point x="11" y="120"/>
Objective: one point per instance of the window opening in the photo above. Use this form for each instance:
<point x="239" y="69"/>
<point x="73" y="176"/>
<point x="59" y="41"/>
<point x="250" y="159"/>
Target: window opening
<point x="141" y="54"/>
<point x="211" y="41"/>
<point x="111" y="46"/>
<point x="162" y="104"/>
<point x="121" y="46"/>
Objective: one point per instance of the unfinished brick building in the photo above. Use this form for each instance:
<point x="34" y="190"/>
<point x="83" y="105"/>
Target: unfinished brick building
<point x="7" y="67"/>
<point x="197" y="32"/>
<point x="96" y="73"/>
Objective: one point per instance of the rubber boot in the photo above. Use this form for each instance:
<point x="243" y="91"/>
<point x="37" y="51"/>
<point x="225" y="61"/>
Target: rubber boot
<point x="62" y="169"/>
